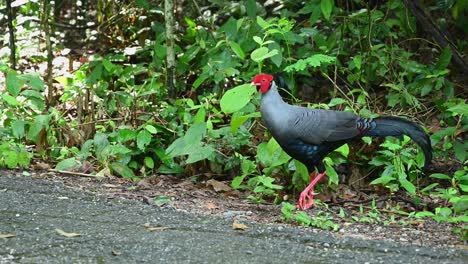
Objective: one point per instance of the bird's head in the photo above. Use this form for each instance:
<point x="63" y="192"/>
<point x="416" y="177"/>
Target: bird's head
<point x="263" y="82"/>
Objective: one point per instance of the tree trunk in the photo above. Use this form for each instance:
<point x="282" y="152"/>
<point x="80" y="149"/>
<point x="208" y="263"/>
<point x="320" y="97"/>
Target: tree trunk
<point x="170" y="57"/>
<point x="46" y="25"/>
<point x="431" y="29"/>
<point x="11" y="29"/>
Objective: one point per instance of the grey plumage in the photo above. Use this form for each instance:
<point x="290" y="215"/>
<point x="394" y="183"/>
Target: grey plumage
<point x="308" y="135"/>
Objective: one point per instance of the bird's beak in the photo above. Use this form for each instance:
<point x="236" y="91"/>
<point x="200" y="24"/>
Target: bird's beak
<point x="257" y="85"/>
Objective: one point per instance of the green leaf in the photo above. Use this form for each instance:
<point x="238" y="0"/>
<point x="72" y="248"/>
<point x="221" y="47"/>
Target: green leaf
<point x="278" y="58"/>
<point x="444" y="59"/>
<point x="24" y="159"/>
<point x="151" y="129"/>
<point x="238" y="120"/>
<point x="236" y="98"/>
<point x="126" y="134"/>
<point x="202" y="153"/>
<point x="13" y="84"/>
<point x="343" y="150"/>
<point x="123" y="170"/>
<point x="10" y="159"/>
<point x="327" y="7"/>
<point x="440" y="176"/>
<point x="149" y="162"/>
<point x="383" y="180"/>
<point x="18" y="128"/>
<point x="261" y="22"/>
<point x="262" y="53"/>
<point x="407" y="185"/>
<point x="237" y="181"/>
<point x="200" y="116"/>
<point x="195" y="133"/>
<point x="336" y="101"/>
<point x="10" y="99"/>
<point x="459" y="109"/>
<point x="67" y="164"/>
<point x="143" y="3"/>
<point x="460" y="150"/>
<point x="237" y="49"/>
<point x="251" y="8"/>
<point x="143" y="139"/>
<point x="331" y="173"/>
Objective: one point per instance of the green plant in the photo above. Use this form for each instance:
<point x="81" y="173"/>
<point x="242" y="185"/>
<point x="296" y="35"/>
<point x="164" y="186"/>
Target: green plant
<point x="321" y="220"/>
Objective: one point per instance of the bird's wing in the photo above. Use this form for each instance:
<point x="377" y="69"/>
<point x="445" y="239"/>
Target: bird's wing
<point x="316" y="126"/>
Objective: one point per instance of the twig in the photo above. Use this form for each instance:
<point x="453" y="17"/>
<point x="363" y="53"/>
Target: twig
<point x="72" y="173"/>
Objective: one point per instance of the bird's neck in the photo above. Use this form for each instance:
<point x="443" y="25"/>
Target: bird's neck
<point x="272" y="97"/>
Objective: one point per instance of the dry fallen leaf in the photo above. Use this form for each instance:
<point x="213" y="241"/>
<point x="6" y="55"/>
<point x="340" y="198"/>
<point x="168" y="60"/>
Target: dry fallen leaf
<point x="7" y="235"/>
<point x="211" y="205"/>
<point x="154" y="228"/>
<point x="41" y="166"/>
<point x="218" y="186"/>
<point x="66" y="234"/>
<point x="239" y="226"/>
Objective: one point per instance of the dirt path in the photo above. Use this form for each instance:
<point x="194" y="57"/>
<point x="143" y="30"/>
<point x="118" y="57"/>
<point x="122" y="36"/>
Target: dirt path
<point x="118" y="230"/>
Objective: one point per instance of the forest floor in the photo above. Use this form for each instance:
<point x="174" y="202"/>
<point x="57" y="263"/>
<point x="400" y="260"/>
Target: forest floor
<point x="216" y="198"/>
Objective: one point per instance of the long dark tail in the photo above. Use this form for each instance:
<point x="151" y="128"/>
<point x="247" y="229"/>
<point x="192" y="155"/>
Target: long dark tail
<point x="395" y="126"/>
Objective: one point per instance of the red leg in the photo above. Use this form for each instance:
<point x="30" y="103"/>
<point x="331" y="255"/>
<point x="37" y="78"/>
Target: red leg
<point x="306" y="199"/>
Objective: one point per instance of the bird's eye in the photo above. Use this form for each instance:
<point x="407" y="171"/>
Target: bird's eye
<point x="263" y="80"/>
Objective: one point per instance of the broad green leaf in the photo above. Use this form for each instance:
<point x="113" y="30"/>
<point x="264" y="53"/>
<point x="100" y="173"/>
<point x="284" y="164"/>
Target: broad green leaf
<point x="262" y="53"/>
<point x="444" y="59"/>
<point x="459" y="109"/>
<point x="440" y="176"/>
<point x="261" y="22"/>
<point x="237" y="181"/>
<point x="100" y="142"/>
<point x="460" y="150"/>
<point x="258" y="54"/>
<point x="407" y="185"/>
<point x="236" y="98"/>
<point x="301" y="175"/>
<point x="149" y="162"/>
<point x="67" y="164"/>
<point x="200" y="116"/>
<point x="123" y="170"/>
<point x="331" y="173"/>
<point x="151" y="129"/>
<point x="327" y="7"/>
<point x="34" y="81"/>
<point x="202" y="153"/>
<point x="13" y="83"/>
<point x="343" y="150"/>
<point x="237" y="49"/>
<point x="251" y="8"/>
<point x="195" y="133"/>
<point x="238" y="120"/>
<point x="10" y="99"/>
<point x="18" y="128"/>
<point x="278" y="58"/>
<point x="336" y="101"/>
<point x="126" y="134"/>
<point x="383" y="180"/>
<point x="143" y="3"/>
<point x="143" y="139"/>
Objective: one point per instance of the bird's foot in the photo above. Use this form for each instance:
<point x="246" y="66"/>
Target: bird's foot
<point x="306" y="198"/>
